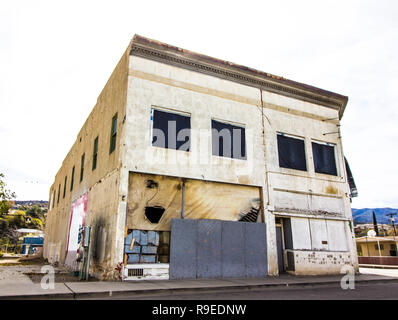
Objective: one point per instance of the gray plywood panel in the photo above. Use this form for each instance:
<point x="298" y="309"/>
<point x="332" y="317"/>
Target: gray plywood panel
<point x="209" y="249"/>
<point x="183" y="249"/>
<point x="233" y="249"/>
<point x="217" y="249"/>
<point x="256" y="250"/>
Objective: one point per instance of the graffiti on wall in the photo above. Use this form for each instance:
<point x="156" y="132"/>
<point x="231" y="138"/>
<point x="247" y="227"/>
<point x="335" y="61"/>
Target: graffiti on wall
<point x="76" y="222"/>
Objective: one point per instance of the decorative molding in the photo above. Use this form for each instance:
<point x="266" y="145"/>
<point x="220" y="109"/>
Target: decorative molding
<point x="239" y="75"/>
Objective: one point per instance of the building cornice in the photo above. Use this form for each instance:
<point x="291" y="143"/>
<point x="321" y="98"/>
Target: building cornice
<point x="164" y="53"/>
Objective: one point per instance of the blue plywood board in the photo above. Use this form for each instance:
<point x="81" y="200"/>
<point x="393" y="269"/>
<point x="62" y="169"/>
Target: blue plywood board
<point x="149" y="249"/>
<point x="209" y="257"/>
<point x="136" y="248"/>
<point x="233" y="249"/>
<point x="183" y="249"/>
<point x="153" y="238"/>
<point x="148" y="258"/>
<point x="133" y="258"/>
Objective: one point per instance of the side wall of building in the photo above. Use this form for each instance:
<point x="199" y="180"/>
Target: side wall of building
<point x="101" y="183"/>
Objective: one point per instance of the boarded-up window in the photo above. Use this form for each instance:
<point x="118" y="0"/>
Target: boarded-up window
<point x="112" y="146"/>
<point x="63" y="196"/>
<point x="82" y="168"/>
<point x="228" y="140"/>
<point x="95" y="153"/>
<point x="72" y="178"/>
<point x="324" y="158"/>
<point x="291" y="152"/>
<point x="171" y="130"/>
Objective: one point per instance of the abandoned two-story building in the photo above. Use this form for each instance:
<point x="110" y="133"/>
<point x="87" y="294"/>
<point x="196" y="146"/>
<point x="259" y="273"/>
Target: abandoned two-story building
<point x="194" y="167"/>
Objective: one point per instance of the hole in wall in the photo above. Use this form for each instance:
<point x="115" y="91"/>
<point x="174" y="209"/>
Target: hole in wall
<point x="150" y="184"/>
<point x="154" y="214"/>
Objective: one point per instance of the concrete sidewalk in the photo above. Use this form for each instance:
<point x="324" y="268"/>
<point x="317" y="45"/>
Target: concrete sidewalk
<point x="92" y="289"/>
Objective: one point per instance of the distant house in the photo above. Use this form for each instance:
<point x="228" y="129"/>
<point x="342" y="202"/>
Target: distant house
<point x="376" y="246"/>
<point x="33" y="239"/>
<point x="30" y="244"/>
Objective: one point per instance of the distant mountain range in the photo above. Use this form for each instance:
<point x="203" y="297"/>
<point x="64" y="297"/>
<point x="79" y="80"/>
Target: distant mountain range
<point x="365" y="215"/>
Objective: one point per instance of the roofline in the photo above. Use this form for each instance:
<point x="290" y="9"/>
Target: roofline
<point x="374" y="239"/>
<point x="165" y="53"/>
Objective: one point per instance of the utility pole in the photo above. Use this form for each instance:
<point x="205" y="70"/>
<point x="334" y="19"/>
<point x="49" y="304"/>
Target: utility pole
<point x="391" y="215"/>
<point x="392" y="221"/>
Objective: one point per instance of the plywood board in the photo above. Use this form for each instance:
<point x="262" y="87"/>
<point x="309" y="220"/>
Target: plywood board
<point x="203" y="200"/>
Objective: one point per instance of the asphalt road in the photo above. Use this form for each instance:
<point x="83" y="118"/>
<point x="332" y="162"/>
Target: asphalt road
<point x="373" y="291"/>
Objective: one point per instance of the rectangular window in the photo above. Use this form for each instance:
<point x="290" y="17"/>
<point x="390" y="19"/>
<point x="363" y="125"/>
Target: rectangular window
<point x="72" y="178"/>
<point x="381" y="247"/>
<point x="170" y="130"/>
<point x="64" y="187"/>
<point x="95" y="152"/>
<point x="228" y="140"/>
<point x="324" y="158"/>
<point x="82" y="168"/>
<point x="59" y="192"/>
<point x="291" y="152"/>
<point x="113" y="134"/>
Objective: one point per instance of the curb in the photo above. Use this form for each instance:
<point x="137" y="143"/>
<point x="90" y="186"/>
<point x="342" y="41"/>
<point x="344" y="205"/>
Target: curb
<point x="119" y="293"/>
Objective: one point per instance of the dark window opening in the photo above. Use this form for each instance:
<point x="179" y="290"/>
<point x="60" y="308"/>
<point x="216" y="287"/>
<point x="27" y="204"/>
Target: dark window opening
<point x="324" y="158"/>
<point x="154" y="214"/>
<point x="228" y="140"/>
<point x="112" y="146"/>
<point x="150" y="184"/>
<point x="82" y="168"/>
<point x="64" y="187"/>
<point x="54" y="198"/>
<point x="59" y="192"/>
<point x="171" y="130"/>
<point x="95" y="152"/>
<point x="379" y="247"/>
<point x="291" y="152"/>
<point x="72" y="178"/>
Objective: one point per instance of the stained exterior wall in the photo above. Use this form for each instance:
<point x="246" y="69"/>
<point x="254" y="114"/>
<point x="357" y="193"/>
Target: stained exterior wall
<point x="286" y="192"/>
<point x="138" y="85"/>
<point x="101" y="184"/>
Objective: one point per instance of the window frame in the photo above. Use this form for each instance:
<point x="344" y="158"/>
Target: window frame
<point x="95" y="154"/>
<point x="335" y="154"/>
<point x="233" y="124"/>
<point x="59" y="192"/>
<point x="82" y="167"/>
<point x="64" y="193"/>
<point x="171" y="111"/>
<point x="72" y="178"/>
<point x="291" y="136"/>
<point x="113" y="136"/>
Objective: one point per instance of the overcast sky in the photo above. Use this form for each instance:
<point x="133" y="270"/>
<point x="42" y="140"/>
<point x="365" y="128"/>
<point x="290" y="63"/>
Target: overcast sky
<point x="56" y="56"/>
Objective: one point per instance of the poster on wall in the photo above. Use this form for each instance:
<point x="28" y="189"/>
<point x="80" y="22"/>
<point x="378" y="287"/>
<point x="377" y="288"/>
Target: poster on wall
<point x="77" y="221"/>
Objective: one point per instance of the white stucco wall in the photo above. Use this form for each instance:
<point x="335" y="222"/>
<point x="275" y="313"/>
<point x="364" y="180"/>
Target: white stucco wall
<point x="286" y="192"/>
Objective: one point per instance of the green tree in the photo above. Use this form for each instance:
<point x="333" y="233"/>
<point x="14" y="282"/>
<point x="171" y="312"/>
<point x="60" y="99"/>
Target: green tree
<point x="34" y="211"/>
<point x="6" y="196"/>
